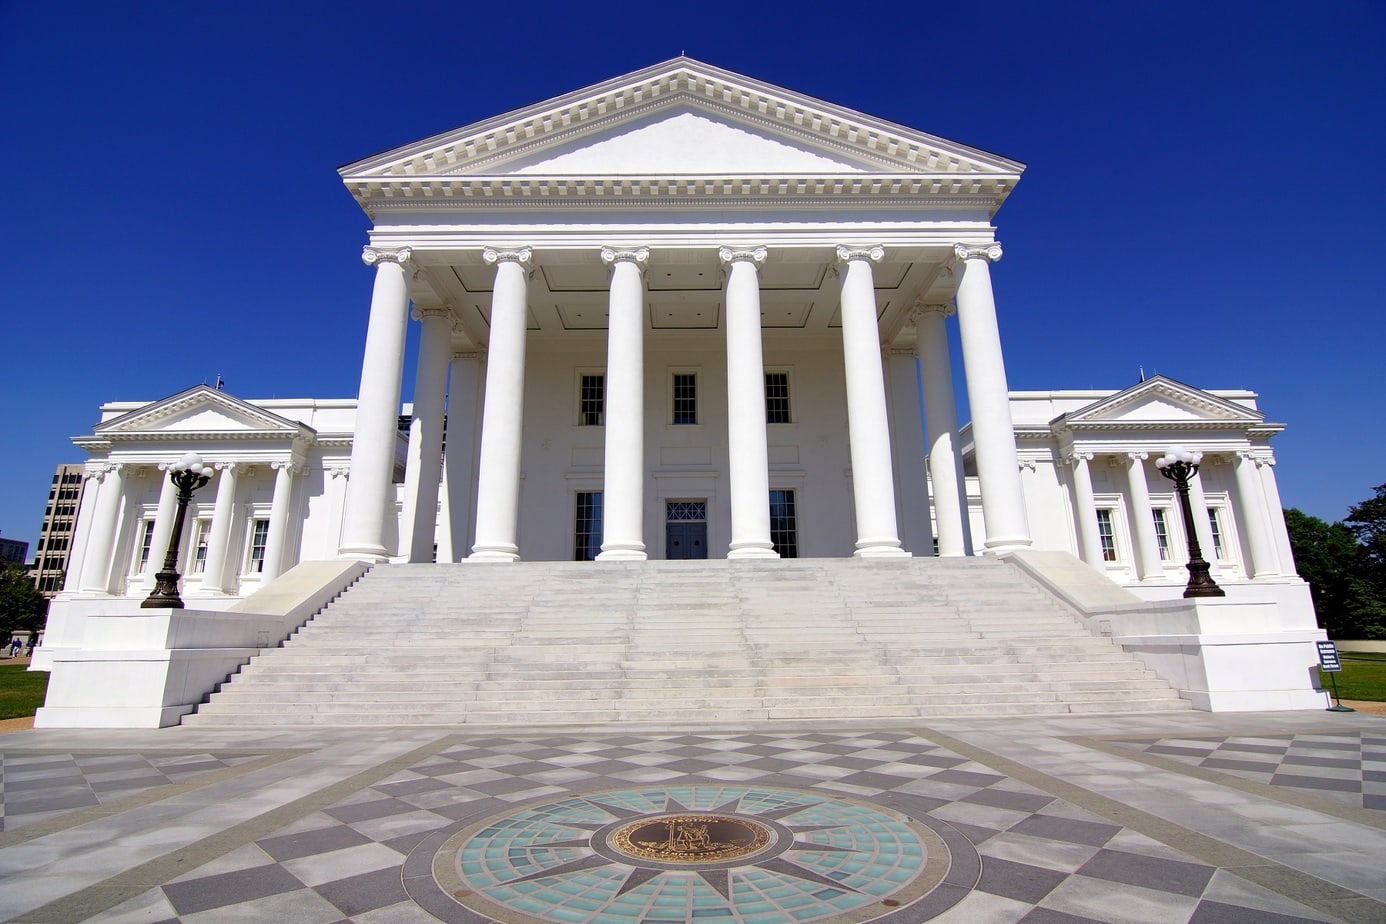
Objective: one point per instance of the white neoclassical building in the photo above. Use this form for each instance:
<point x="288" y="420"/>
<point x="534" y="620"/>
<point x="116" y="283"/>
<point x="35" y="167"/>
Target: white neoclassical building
<point x="683" y="314"/>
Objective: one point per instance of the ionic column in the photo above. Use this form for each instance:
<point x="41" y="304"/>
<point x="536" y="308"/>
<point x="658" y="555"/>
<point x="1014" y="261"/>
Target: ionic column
<point x="1203" y="527"/>
<point x="868" y="428"/>
<point x="163" y="525"/>
<point x="277" y="538"/>
<point x="941" y="428"/>
<point x="498" y="479"/>
<point x="1148" y="564"/>
<point x="623" y="535"/>
<point x="1276" y="511"/>
<point x="219" y="536"/>
<point x="96" y="565"/>
<point x="377" y="409"/>
<point x="1256" y="523"/>
<point x="748" y="454"/>
<point x="993" y="432"/>
<point x="907" y="439"/>
<point x="460" y="455"/>
<point x="424" y="468"/>
<point x="81" y="533"/>
<point x="1085" y="511"/>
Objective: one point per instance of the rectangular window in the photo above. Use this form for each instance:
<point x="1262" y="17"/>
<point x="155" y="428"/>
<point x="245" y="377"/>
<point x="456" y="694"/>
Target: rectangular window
<point x="784" y="524"/>
<point x="777" y="397"/>
<point x="1215" y="524"/>
<point x="1161" y="533"/>
<point x="685" y="398"/>
<point x="259" y="538"/>
<point x="1106" y="535"/>
<point x="591" y="400"/>
<point x="201" y="533"/>
<point x="146" y="539"/>
<point x="587" y="526"/>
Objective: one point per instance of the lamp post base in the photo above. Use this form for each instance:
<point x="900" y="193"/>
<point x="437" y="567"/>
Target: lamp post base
<point x="1201" y="583"/>
<point x="165" y="592"/>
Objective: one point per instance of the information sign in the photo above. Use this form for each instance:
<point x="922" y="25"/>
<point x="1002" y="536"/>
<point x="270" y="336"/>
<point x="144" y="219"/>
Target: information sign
<point x="1328" y="657"/>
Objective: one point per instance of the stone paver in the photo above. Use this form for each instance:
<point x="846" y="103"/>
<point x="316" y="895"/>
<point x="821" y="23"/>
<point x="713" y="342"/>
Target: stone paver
<point x="1156" y="817"/>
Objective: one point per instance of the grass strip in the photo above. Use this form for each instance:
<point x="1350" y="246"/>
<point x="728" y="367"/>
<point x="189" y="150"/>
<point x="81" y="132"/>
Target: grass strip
<point x="21" y="690"/>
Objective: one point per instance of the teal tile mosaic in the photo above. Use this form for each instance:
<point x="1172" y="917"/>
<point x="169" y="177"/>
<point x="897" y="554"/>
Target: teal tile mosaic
<point x="872" y="855"/>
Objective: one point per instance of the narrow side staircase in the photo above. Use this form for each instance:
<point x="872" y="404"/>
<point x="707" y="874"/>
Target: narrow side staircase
<point x="686" y="644"/>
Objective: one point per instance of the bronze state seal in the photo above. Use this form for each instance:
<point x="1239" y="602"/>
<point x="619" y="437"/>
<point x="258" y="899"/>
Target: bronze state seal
<point x="691" y="838"/>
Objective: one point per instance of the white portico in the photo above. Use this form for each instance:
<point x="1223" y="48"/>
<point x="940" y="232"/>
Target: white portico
<point x="681" y="293"/>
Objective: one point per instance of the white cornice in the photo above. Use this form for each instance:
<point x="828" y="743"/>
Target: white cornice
<point x="816" y="192"/>
<point x="678" y="81"/>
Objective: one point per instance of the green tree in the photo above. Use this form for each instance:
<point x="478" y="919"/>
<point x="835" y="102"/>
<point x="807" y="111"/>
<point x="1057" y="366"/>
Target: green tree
<point x="1345" y="585"/>
<point x="1367" y="521"/>
<point x="21" y="605"/>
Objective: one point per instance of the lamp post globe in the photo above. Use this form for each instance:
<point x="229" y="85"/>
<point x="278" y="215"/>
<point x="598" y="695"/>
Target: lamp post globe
<point x="187" y="474"/>
<point x="1179" y="465"/>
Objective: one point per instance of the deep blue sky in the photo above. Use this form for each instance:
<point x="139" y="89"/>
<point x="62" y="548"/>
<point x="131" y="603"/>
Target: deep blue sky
<point x="1199" y="197"/>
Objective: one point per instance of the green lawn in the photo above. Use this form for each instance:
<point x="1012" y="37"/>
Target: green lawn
<point x="21" y="690"/>
<point x="1363" y="676"/>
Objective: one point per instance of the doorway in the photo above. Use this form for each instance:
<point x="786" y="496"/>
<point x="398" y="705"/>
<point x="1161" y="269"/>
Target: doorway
<point x="685" y="529"/>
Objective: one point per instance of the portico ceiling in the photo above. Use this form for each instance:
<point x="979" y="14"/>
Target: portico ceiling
<point x="684" y="292"/>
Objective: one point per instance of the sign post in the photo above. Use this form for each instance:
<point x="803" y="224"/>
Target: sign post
<point x="1330" y="665"/>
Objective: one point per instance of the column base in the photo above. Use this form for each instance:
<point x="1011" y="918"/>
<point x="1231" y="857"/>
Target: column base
<point x="502" y="553"/>
<point x="623" y="553"/>
<point x="752" y="551"/>
<point x="881" y="551"/>
<point x="1008" y="543"/>
<point x="372" y="554"/>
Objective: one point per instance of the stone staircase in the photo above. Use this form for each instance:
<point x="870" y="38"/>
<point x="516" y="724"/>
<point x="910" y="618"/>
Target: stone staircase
<point x="685" y="644"/>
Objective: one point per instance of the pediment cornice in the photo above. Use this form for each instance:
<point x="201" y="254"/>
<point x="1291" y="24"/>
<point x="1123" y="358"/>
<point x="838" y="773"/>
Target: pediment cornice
<point x="1189" y="408"/>
<point x="151" y="422"/>
<point x="475" y="162"/>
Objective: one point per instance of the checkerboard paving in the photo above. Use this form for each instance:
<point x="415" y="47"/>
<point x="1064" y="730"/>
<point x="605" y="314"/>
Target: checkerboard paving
<point x="1041" y="859"/>
<point x="1348" y="767"/>
<point x="36" y="787"/>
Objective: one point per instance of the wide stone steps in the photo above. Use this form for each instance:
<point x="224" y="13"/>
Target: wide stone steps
<point x="685" y="643"/>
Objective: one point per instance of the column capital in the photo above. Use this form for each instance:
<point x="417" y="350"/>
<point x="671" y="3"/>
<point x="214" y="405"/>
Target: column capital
<point x="730" y="255"/>
<point x="374" y="256"/>
<point x="1026" y="465"/>
<point x="229" y="467"/>
<point x="1137" y="456"/>
<point x="338" y="471"/>
<point x="873" y="252"/>
<point x="432" y="312"/>
<point x="1073" y="458"/>
<point x="639" y="256"/>
<point x="102" y="469"/>
<point x="289" y="465"/>
<point x="989" y="252"/>
<point x="921" y="308"/>
<point x="520" y="256"/>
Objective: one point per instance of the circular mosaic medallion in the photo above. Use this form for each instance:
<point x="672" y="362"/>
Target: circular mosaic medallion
<point x="688" y="839"/>
<point x="753" y="855"/>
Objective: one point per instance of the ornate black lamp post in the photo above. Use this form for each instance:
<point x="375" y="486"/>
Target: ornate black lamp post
<point x="187" y="474"/>
<point x="1179" y="465"/>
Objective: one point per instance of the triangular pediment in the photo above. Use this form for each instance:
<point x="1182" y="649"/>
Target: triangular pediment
<point x="200" y="411"/>
<point x="1161" y="400"/>
<point x="680" y="118"/>
<point x="683" y="140"/>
